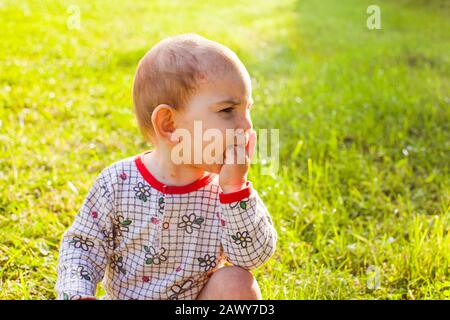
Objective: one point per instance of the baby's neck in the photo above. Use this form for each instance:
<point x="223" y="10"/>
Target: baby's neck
<point x="159" y="164"/>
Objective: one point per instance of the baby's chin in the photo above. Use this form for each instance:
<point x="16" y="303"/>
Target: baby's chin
<point x="212" y="168"/>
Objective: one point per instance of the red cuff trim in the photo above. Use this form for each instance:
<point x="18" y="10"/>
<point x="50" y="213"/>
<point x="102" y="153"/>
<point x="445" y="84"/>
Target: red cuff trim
<point x="236" y="196"/>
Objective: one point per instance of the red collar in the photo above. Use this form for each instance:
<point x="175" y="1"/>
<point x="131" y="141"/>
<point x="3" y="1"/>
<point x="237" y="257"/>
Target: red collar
<point x="169" y="189"/>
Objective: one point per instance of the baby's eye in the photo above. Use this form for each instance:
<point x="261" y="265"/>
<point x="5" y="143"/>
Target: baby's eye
<point x="227" y="110"/>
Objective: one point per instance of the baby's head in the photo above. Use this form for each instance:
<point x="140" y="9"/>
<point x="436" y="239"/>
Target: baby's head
<point x="188" y="78"/>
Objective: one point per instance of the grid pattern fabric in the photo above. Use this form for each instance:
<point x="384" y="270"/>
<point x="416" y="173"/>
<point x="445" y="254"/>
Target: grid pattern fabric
<point x="147" y="244"/>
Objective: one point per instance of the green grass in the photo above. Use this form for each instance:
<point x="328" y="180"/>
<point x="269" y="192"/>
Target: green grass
<point x="361" y="199"/>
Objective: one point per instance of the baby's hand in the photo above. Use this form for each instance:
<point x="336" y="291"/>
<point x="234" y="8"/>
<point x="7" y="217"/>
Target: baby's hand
<point x="233" y="175"/>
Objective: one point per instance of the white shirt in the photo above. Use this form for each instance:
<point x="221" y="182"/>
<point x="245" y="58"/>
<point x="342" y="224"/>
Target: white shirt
<point x="147" y="240"/>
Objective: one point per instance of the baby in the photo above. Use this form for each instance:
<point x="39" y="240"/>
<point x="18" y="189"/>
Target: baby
<point x="152" y="227"/>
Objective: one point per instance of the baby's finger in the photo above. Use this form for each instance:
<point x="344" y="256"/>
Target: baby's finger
<point x="230" y="154"/>
<point x="235" y="154"/>
<point x="241" y="154"/>
<point x="250" y="148"/>
<point x="240" y="137"/>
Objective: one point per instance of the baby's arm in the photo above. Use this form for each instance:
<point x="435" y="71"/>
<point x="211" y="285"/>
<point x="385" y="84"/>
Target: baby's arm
<point x="248" y="237"/>
<point x="83" y="253"/>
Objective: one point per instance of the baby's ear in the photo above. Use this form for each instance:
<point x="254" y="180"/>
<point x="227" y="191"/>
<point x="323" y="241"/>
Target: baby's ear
<point x="163" y="123"/>
<point x="175" y="138"/>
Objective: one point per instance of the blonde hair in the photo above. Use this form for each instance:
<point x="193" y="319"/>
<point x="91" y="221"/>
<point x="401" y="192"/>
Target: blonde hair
<point x="172" y="70"/>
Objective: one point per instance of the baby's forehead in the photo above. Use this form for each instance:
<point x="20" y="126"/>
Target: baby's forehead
<point x="229" y="89"/>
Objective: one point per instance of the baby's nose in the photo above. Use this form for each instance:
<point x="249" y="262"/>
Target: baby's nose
<point x="247" y="124"/>
<point x="241" y="137"/>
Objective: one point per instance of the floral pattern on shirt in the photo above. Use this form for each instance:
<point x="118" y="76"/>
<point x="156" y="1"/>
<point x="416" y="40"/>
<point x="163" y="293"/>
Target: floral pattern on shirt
<point x="67" y="296"/>
<point x="121" y="225"/>
<point x="80" y="273"/>
<point x="153" y="257"/>
<point x="190" y="222"/>
<point x="207" y="262"/>
<point x="109" y="239"/>
<point x="177" y="290"/>
<point x="242" y="238"/>
<point x="161" y="205"/>
<point x="142" y="191"/>
<point x="83" y="243"/>
<point x="242" y="203"/>
<point x="106" y="193"/>
<point x="117" y="264"/>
